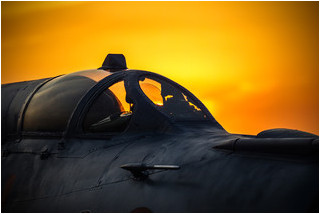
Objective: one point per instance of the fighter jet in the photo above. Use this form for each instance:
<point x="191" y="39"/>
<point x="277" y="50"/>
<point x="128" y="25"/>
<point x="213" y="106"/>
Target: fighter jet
<point x="114" y="139"/>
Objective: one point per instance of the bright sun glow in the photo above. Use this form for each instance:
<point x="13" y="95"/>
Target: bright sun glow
<point x="254" y="64"/>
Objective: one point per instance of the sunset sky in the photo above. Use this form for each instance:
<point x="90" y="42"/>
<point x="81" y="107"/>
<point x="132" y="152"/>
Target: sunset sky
<point x="255" y="65"/>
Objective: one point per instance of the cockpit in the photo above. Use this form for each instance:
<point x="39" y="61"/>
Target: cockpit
<point x="111" y="99"/>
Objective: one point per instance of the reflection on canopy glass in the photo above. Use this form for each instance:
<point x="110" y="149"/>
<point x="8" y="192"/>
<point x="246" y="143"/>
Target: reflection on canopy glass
<point x="52" y="105"/>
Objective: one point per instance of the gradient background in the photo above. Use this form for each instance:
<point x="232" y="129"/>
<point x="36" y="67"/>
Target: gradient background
<point x="255" y="65"/>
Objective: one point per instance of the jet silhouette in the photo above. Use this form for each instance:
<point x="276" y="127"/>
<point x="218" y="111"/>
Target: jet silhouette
<point x="120" y="140"/>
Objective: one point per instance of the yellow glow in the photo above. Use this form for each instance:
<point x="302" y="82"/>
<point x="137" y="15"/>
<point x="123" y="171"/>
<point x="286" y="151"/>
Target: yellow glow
<point x="119" y="91"/>
<point x="168" y="97"/>
<point x="152" y="88"/>
<point x="158" y="103"/>
<point x="254" y="64"/>
<point x="191" y="104"/>
<point x="194" y="106"/>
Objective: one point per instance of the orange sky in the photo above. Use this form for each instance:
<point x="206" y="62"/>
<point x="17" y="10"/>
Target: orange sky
<point x="255" y="65"/>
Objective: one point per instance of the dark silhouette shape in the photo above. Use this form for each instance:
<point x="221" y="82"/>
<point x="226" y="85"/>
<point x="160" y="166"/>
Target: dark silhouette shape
<point x="69" y="145"/>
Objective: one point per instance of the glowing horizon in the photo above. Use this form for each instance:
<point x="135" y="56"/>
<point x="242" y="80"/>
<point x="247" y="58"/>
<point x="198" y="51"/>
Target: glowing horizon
<point x="255" y="65"/>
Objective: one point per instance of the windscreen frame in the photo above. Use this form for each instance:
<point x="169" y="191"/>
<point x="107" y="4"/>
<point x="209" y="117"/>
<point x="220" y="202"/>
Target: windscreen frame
<point x="154" y="76"/>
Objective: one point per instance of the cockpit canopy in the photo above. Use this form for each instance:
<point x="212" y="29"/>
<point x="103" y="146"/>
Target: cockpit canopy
<point x="111" y="99"/>
<point x="52" y="106"/>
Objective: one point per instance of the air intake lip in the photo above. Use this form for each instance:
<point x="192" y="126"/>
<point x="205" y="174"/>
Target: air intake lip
<point x="114" y="61"/>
